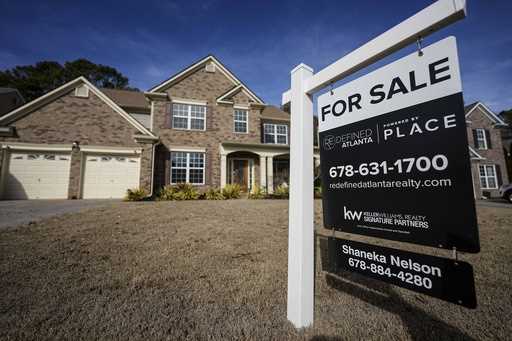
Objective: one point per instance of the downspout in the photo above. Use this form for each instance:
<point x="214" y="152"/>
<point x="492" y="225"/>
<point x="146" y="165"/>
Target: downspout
<point x="153" y="167"/>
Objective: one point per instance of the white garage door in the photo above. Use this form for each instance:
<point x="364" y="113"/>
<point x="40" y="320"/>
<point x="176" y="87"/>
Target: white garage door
<point x="109" y="176"/>
<point x="37" y="175"/>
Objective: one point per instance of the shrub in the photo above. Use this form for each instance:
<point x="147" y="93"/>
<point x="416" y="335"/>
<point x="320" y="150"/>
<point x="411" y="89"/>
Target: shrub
<point x="135" y="194"/>
<point x="185" y="191"/>
<point x="214" y="194"/>
<point x="257" y="193"/>
<point x="166" y="193"/>
<point x="231" y="191"/>
<point x="281" y="192"/>
<point x="318" y="192"/>
<point x="179" y="192"/>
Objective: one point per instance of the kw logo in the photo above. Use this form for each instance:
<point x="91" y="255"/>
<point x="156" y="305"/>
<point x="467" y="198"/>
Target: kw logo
<point x="351" y="215"/>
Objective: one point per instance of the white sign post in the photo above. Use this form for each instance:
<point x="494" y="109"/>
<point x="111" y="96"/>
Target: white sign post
<point x="301" y="210"/>
<point x="303" y="85"/>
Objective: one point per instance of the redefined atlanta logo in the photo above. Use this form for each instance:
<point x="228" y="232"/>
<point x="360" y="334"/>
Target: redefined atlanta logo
<point x="348" y="140"/>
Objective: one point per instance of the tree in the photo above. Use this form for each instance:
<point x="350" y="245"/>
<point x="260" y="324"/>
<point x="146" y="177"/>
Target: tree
<point x="33" y="81"/>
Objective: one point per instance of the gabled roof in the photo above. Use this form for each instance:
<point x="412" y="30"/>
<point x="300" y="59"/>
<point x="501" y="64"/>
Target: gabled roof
<point x="127" y="98"/>
<point x="271" y="112"/>
<point x="12" y="90"/>
<point x="56" y="93"/>
<point x="225" y="98"/>
<point x="474" y="155"/>
<point x="192" y="68"/>
<point x="492" y="116"/>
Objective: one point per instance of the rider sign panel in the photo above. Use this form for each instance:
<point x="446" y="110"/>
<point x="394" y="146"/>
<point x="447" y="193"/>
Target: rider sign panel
<point x="394" y="151"/>
<point x="447" y="279"/>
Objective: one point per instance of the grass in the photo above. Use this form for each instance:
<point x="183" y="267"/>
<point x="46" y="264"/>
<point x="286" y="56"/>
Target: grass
<point x="217" y="270"/>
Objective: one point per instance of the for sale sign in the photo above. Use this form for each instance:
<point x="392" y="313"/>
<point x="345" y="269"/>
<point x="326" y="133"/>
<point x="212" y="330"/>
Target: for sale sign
<point x="394" y="151"/>
<point x="447" y="279"/>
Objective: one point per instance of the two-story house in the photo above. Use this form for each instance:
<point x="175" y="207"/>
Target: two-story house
<point x="202" y="126"/>
<point x="488" y="163"/>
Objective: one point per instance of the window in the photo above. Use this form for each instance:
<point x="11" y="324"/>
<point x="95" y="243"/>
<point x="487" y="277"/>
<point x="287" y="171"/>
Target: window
<point x="275" y="133"/>
<point x="488" y="178"/>
<point x="187" y="167"/>
<point x="188" y="116"/>
<point x="240" y="121"/>
<point x="481" y="139"/>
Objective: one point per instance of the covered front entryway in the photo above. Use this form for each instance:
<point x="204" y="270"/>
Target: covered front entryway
<point x="281" y="170"/>
<point x="241" y="169"/>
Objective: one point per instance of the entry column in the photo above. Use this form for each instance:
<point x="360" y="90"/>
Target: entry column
<point x="223" y="170"/>
<point x="270" y="174"/>
<point x="263" y="171"/>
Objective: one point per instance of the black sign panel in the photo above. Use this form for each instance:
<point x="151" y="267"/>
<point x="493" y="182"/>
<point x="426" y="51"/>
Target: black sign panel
<point x="395" y="156"/>
<point x="403" y="176"/>
<point x="442" y="278"/>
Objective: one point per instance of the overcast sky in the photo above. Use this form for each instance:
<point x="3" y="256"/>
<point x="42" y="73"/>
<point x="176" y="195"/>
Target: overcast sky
<point x="260" y="42"/>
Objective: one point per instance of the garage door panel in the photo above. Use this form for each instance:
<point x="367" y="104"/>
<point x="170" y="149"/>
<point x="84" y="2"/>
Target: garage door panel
<point x="37" y="175"/>
<point x="109" y="176"/>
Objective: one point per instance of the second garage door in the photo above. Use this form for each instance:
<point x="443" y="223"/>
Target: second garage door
<point x="109" y="176"/>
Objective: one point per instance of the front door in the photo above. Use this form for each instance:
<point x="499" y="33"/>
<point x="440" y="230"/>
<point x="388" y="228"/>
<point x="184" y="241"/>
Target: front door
<point x="240" y="174"/>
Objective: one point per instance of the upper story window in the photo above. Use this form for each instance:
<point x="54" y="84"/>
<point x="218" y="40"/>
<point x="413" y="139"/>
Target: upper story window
<point x="481" y="139"/>
<point x="240" y="119"/>
<point x="188" y="116"/>
<point x="275" y="133"/>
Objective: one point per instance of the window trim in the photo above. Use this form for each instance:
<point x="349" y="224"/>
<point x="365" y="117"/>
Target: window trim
<point x="187" y="167"/>
<point x="246" y="120"/>
<point x="486" y="176"/>
<point x="189" y="115"/>
<point x="484" y="133"/>
<point x="275" y="134"/>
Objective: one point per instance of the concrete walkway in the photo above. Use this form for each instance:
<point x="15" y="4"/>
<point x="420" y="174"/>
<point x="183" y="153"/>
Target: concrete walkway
<point x="18" y="212"/>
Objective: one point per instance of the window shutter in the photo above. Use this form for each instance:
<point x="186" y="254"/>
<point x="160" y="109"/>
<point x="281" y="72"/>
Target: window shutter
<point x="168" y="116"/>
<point x="475" y="139"/>
<point x="488" y="139"/>
<point x="208" y="169"/>
<point x="498" y="175"/>
<point x="208" y="124"/>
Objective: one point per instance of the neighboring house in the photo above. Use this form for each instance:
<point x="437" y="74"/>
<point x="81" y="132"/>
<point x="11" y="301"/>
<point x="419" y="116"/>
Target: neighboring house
<point x="202" y="126"/>
<point x="486" y="150"/>
<point x="506" y="138"/>
<point x="10" y="99"/>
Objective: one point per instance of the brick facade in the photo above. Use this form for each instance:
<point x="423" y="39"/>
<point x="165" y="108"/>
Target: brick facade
<point x="492" y="156"/>
<point x="90" y="121"/>
<point x="207" y="87"/>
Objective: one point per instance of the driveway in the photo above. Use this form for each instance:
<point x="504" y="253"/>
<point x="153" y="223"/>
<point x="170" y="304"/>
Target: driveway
<point x="18" y="212"/>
